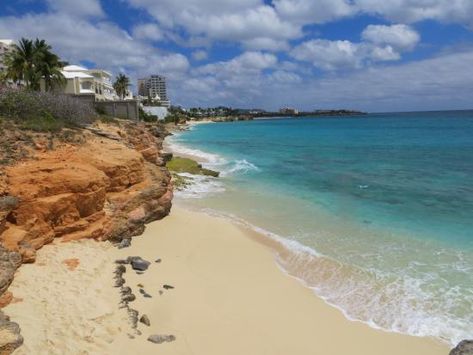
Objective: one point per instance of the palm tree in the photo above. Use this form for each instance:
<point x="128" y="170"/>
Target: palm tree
<point x="30" y="61"/>
<point x="121" y="84"/>
<point x="20" y="63"/>
<point x="48" y="65"/>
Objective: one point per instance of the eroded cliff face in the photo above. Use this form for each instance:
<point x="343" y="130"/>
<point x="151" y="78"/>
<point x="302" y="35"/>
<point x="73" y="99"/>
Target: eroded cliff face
<point x="106" y="186"/>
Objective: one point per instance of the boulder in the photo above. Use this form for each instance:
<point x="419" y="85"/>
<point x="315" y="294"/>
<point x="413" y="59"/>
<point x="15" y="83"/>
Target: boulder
<point x="159" y="339"/>
<point x="145" y="320"/>
<point x="10" y="337"/>
<point x="137" y="263"/>
<point x="465" y="347"/>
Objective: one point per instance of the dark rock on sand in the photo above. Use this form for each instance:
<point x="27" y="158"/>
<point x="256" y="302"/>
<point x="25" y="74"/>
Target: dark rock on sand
<point x="159" y="339"/>
<point x="157" y="261"/>
<point x="144" y="293"/>
<point x="10" y="337"/>
<point x="465" y="347"/>
<point x="120" y="269"/>
<point x="125" y="243"/>
<point x="119" y="281"/>
<point x="9" y="262"/>
<point x="133" y="316"/>
<point x="137" y="263"/>
<point x="168" y="287"/>
<point x="122" y="261"/>
<point x="145" y="320"/>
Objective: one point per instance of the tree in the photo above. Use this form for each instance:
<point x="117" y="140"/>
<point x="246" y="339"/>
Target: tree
<point x="48" y="65"/>
<point x="30" y="61"/>
<point x="20" y="63"/>
<point x="121" y="84"/>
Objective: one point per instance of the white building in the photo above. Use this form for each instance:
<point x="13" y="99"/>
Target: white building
<point x="83" y="81"/>
<point x="6" y="46"/>
<point x="154" y="87"/>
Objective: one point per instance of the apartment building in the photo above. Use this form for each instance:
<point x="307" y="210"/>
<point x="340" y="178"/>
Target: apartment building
<point x="154" y="87"/>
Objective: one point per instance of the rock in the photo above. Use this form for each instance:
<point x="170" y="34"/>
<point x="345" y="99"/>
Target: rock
<point x="129" y="298"/>
<point x="168" y="287"/>
<point x="5" y="299"/>
<point x="9" y="262"/>
<point x="121" y="261"/>
<point x="159" y="339"/>
<point x="157" y="261"/>
<point x="465" y="347"/>
<point x="120" y="269"/>
<point x="137" y="263"/>
<point x="144" y="293"/>
<point x="160" y="292"/>
<point x="119" y="282"/>
<point x="139" y="272"/>
<point x="133" y="316"/>
<point x="10" y="337"/>
<point x="125" y="243"/>
<point x="145" y="320"/>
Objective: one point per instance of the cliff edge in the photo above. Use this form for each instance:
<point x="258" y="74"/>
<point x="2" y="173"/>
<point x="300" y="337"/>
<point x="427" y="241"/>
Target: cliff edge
<point x="103" y="182"/>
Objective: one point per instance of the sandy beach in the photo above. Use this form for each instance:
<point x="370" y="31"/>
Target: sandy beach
<point x="229" y="297"/>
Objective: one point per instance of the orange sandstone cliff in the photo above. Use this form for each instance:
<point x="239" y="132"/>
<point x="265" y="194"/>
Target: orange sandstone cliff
<point x="105" y="183"/>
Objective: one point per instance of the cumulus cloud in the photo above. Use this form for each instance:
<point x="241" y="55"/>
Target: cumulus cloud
<point x="148" y="31"/>
<point x="335" y="55"/>
<point x="411" y="11"/>
<point x="329" y="55"/>
<point x="402" y="37"/>
<point x="314" y="11"/>
<point x="248" y="63"/>
<point x="199" y="54"/>
<point x="236" y="21"/>
<point x="82" y="8"/>
<point x="403" y="11"/>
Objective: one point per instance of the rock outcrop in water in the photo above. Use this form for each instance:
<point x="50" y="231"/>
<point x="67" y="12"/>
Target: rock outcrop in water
<point x="465" y="347"/>
<point x="106" y="185"/>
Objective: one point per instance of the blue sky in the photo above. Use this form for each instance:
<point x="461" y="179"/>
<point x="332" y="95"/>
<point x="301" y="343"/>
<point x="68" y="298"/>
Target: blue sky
<point x="372" y="55"/>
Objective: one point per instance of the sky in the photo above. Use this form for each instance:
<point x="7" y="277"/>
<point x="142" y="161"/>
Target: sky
<point x="370" y="55"/>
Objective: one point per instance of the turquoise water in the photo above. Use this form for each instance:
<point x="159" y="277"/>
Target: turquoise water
<point x="375" y="213"/>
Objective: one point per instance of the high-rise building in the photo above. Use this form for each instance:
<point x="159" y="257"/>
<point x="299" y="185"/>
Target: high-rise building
<point x="6" y="46"/>
<point x="154" y="87"/>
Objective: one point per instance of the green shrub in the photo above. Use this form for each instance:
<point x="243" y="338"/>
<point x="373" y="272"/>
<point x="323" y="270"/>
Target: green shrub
<point x="44" y="111"/>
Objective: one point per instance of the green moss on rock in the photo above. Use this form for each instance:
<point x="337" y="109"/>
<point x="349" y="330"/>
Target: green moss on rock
<point x="186" y="165"/>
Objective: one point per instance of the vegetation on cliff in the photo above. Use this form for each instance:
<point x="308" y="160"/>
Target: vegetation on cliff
<point x="43" y="111"/>
<point x="186" y="165"/>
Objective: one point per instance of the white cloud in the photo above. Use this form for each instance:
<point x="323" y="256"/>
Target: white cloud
<point x="248" y="63"/>
<point x="265" y="43"/>
<point x="410" y="11"/>
<point x="82" y="8"/>
<point x="314" y="11"/>
<point x="227" y="20"/>
<point x="148" y="31"/>
<point x="402" y="37"/>
<point x="199" y="54"/>
<point x="329" y="55"/>
<point x="381" y="43"/>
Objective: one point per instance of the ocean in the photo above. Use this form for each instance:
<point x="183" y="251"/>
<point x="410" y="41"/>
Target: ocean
<point x="374" y="213"/>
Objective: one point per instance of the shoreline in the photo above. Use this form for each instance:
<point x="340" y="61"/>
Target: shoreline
<point x="227" y="286"/>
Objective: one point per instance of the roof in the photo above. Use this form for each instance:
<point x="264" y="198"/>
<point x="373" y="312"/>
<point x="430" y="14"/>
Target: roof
<point x="8" y="42"/>
<point x="74" y="68"/>
<point x="101" y="71"/>
<point x="76" y="74"/>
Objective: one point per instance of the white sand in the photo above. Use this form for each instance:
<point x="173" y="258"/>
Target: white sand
<point x="230" y="298"/>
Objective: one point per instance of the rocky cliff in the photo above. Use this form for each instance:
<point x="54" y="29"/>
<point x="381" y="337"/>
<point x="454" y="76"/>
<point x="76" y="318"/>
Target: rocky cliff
<point x="102" y="182"/>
